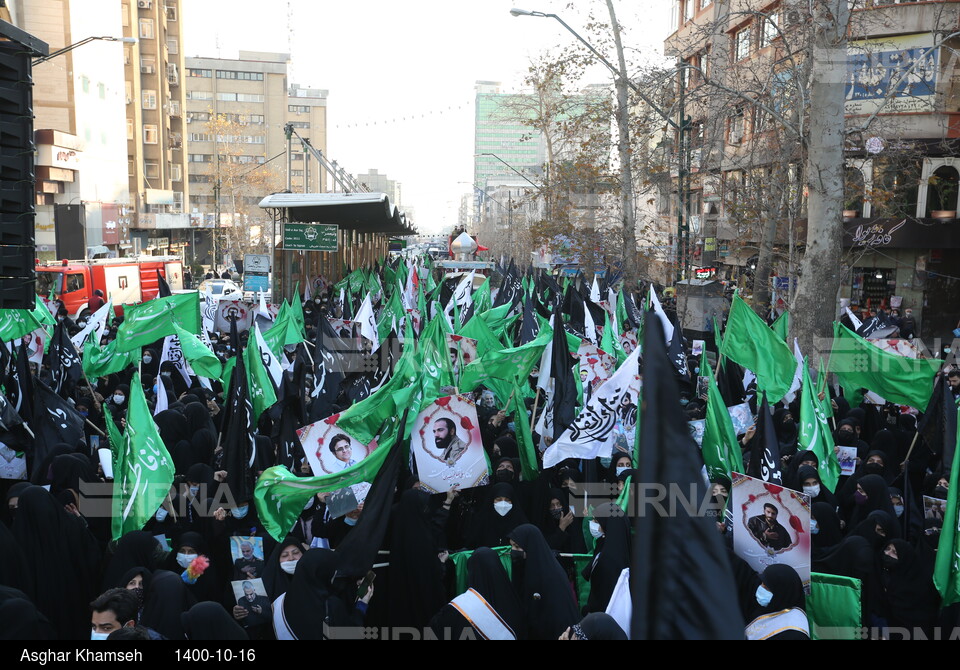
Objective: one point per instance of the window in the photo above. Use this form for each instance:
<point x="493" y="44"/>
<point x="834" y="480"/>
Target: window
<point x="199" y="95"/>
<point x="148" y="64"/>
<point x="127" y="55"/>
<point x="74" y="283"/>
<point x="296" y="173"/>
<point x="688" y="9"/>
<point x="199" y="72"/>
<point x="174" y="108"/>
<point x="199" y="137"/>
<point x="298" y="109"/>
<point x="234" y="74"/>
<point x="176" y="172"/>
<point x="200" y="158"/>
<point x="736" y="126"/>
<point x="674" y="16"/>
<point x="150" y="133"/>
<point x="149" y="98"/>
<point x="761" y="121"/>
<point x="146" y="29"/>
<point x="129" y="129"/>
<point x="768" y="31"/>
<point x="129" y="168"/>
<point x="200" y="179"/>
<point x="128" y="91"/>
<point x="171" y="13"/>
<point x="85" y="83"/>
<point x="151" y="170"/>
<point x="173" y="46"/>
<point x="741" y="43"/>
<point x="249" y="97"/>
<point x="102" y="91"/>
<point x="300" y="124"/>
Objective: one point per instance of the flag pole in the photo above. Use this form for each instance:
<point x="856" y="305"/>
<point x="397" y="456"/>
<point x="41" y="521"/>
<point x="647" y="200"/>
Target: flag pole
<point x="910" y="451"/>
<point x="533" y="416"/>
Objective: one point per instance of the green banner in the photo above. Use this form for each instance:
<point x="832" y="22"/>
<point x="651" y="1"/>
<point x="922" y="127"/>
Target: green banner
<point x="310" y="236"/>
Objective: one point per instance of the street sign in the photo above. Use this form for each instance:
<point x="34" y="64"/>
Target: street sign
<point x="256" y="262"/>
<point x="310" y="237"/>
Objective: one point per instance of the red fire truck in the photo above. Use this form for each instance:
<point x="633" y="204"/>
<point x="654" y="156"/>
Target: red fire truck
<point x="124" y="280"/>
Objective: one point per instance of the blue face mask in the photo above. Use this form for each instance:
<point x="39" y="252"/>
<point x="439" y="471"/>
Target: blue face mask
<point x="763" y="596"/>
<point x="512" y="427"/>
<point x="240" y="512"/>
<point x="814" y="528"/>
<point x="98" y="636"/>
<point x="898" y="509"/>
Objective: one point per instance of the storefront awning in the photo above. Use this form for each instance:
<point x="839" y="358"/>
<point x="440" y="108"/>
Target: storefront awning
<point x="362" y="212"/>
<point x="903" y="233"/>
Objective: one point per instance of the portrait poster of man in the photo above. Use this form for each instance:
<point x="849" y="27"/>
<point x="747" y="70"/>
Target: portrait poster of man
<point x="741" y="417"/>
<point x="330" y="449"/>
<point x="595" y="366"/>
<point x="463" y="351"/>
<point x="447" y="446"/>
<point x="247" y="554"/>
<point x="847" y="457"/>
<point x="934" y="508"/>
<point x="233" y="309"/>
<point x="771" y="525"/>
<point x="697" y="428"/>
<point x="251" y="595"/>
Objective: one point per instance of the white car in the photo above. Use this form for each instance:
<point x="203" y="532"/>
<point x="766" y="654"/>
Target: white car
<point x="220" y="289"/>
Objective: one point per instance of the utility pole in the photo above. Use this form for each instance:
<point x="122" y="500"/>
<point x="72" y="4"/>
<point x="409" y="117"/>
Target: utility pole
<point x="626" y="167"/>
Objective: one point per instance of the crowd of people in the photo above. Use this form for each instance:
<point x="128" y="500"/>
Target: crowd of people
<point x="64" y="576"/>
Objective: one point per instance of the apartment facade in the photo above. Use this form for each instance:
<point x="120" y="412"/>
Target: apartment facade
<point x="744" y="94"/>
<point x="155" y="99"/>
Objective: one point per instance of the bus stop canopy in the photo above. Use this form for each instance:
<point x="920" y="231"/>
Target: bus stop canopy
<point x="361" y="212"/>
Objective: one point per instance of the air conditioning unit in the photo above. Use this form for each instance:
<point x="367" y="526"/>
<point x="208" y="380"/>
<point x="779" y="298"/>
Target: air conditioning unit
<point x="794" y="17"/>
<point x="147" y="69"/>
<point x="144" y="4"/>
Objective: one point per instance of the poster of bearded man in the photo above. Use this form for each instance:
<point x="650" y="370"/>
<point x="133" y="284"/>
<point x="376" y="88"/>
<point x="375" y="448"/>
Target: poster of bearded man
<point x="447" y="446"/>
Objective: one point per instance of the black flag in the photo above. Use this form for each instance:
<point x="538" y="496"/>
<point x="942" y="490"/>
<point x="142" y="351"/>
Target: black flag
<point x="55" y="421"/>
<point x="529" y="327"/>
<point x="564" y="398"/>
<point x="63" y="359"/>
<point x="939" y="423"/>
<point x="678" y="555"/>
<point x="19" y="384"/>
<point x="289" y="450"/>
<point x="329" y="357"/>
<point x="163" y="288"/>
<point x="764" y="448"/>
<point x="239" y="444"/>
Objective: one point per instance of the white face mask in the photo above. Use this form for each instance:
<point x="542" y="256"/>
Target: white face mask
<point x="118" y="399"/>
<point x="184" y="560"/>
<point x="161" y="514"/>
<point x="812" y="491"/>
<point x="289" y="566"/>
<point x="595" y="529"/>
<point x="763" y="596"/>
<point x="621" y="470"/>
<point x="503" y="507"/>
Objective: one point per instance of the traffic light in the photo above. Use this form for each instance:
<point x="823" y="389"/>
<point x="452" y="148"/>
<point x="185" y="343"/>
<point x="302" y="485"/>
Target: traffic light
<point x="17" y="182"/>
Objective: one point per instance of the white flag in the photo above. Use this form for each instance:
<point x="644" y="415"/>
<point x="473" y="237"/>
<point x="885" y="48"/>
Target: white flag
<point x="97" y="323"/>
<point x="162" y="401"/>
<point x="658" y="309"/>
<point x="368" y="323"/>
<point x="797" y="376"/>
<point x="270" y="361"/>
<point x="595" y="290"/>
<point x="263" y="310"/>
<point x="172" y="353"/>
<point x="589" y="327"/>
<point x="857" y="323"/>
<point x="592" y="432"/>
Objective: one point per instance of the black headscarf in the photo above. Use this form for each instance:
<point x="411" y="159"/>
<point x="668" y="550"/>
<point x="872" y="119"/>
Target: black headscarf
<point x="545" y="593"/>
<point x="877" y="499"/>
<point x="209" y="621"/>
<point x="610" y="556"/>
<point x="489" y="529"/>
<point x="829" y="533"/>
<point x="791" y="476"/>
<point x="909" y="599"/>
<point x="785" y="585"/>
<point x="416" y="574"/>
<point x="867" y="528"/>
<point x="63" y="559"/>
<point x="14" y="570"/>
<point x="306" y="606"/>
<point x="487" y="576"/>
<point x="204" y="442"/>
<point x="163" y="602"/>
<point x="198" y="417"/>
<point x="886" y="442"/>
<point x="68" y="470"/>
<point x="172" y="426"/>
<point x="786" y="430"/>
<point x="599" y="626"/>
<point x="806" y="472"/>
<point x="136" y="548"/>
<point x="275" y="580"/>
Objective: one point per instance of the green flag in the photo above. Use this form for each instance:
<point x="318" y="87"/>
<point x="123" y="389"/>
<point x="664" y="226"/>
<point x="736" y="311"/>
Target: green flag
<point x="481" y="298"/>
<point x="946" y="573"/>
<point x="144" y="471"/>
<point x="280" y="495"/>
<point x="506" y="365"/>
<point x="283" y="332"/>
<point x="42" y="314"/>
<point x="15" y="323"/>
<point x="459" y="560"/>
<point x="815" y="432"/>
<point x="609" y="343"/>
<point x="822" y="388"/>
<point x="477" y="329"/>
<point x="781" y="326"/>
<point x="749" y="342"/>
<point x="859" y="364"/>
<point x="392" y="314"/>
<point x="147" y="322"/>
<point x="114" y="438"/>
<point x="833" y="607"/>
<point x="100" y="362"/>
<point x="720" y="448"/>
<point x="525" y="444"/>
<point x="203" y="361"/>
<point x="259" y="385"/>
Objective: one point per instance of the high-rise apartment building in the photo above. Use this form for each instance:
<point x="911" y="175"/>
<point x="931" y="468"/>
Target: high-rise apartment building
<point x="501" y="138"/>
<point x="380" y="183"/>
<point x="307" y="113"/>
<point x="155" y="98"/>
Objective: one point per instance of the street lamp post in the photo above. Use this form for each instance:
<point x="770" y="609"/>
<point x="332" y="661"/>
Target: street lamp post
<point x="623" y="120"/>
<point x="86" y="40"/>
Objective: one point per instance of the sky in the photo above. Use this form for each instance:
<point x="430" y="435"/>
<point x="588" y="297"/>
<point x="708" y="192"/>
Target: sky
<point x="401" y="73"/>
